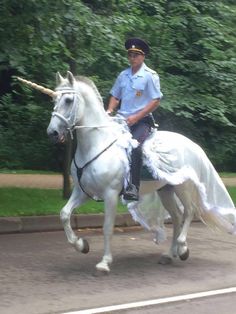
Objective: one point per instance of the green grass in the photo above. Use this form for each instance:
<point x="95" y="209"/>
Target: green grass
<point x="232" y="192"/>
<point x="37" y="202"/>
<point x="227" y="174"/>
<point x="9" y="171"/>
<point x="5" y="170"/>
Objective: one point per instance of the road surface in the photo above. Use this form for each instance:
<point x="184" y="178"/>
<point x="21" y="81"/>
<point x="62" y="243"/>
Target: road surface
<point x="41" y="274"/>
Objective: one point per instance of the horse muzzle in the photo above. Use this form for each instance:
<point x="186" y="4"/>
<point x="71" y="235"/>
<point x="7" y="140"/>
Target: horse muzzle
<point x="55" y="136"/>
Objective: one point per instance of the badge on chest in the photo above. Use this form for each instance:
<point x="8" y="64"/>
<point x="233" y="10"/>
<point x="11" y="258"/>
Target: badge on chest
<point x="138" y="93"/>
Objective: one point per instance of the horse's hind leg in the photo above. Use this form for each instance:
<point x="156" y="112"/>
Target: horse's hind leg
<point x="185" y="197"/>
<point x="76" y="199"/>
<point x="169" y="202"/>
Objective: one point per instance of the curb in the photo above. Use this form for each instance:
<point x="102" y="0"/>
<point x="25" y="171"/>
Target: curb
<point x="53" y="223"/>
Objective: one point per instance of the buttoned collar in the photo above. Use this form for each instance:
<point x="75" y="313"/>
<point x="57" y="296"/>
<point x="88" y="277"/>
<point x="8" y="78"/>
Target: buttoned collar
<point x="140" y="72"/>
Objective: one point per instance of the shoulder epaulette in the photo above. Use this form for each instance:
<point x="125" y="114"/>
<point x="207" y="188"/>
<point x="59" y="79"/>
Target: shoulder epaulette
<point x="150" y="70"/>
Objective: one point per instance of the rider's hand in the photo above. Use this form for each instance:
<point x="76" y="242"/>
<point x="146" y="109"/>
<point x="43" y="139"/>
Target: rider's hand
<point x="131" y="120"/>
<point x="109" y="112"/>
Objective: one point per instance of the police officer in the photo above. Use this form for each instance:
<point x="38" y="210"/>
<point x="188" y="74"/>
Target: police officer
<point x="137" y="91"/>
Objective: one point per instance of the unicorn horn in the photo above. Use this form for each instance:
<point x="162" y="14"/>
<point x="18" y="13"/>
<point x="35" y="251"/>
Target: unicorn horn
<point x="42" y="89"/>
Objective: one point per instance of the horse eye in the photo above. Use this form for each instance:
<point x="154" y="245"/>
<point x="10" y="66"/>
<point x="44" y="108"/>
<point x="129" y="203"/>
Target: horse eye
<point x="68" y="100"/>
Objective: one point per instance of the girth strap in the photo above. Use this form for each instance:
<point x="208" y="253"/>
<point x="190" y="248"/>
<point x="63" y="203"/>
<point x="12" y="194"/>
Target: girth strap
<point x="80" y="170"/>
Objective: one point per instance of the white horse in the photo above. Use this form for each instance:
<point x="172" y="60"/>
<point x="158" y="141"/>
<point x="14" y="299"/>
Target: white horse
<point x="185" y="180"/>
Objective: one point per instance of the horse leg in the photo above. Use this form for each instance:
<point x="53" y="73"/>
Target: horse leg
<point x="168" y="200"/>
<point x="185" y="198"/>
<point x="76" y="199"/>
<point x="110" y="203"/>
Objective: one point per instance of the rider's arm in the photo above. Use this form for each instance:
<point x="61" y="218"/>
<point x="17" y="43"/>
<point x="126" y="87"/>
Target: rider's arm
<point x="150" y="107"/>
<point x="113" y="103"/>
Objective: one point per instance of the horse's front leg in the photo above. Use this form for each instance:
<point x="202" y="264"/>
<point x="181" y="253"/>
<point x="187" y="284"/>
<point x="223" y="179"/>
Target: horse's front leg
<point x="110" y="203"/>
<point x="76" y="199"/>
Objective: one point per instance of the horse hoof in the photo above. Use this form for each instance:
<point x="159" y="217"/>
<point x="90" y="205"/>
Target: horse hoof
<point x="103" y="267"/>
<point x="165" y="260"/>
<point x="85" y="248"/>
<point x="184" y="256"/>
<point x="81" y="245"/>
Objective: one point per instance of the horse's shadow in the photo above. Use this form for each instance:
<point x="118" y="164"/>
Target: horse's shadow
<point x="138" y="265"/>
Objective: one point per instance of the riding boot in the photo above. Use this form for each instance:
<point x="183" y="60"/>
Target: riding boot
<point x="132" y="191"/>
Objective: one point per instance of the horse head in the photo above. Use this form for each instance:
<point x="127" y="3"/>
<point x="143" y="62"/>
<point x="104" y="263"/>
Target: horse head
<point x="77" y="104"/>
<point x="65" y="113"/>
<point x="68" y="108"/>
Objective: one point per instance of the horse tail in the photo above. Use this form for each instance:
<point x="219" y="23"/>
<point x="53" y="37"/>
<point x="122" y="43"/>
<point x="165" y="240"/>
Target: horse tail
<point x="217" y="222"/>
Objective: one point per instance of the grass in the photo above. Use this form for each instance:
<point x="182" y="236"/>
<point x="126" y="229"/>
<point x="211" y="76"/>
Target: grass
<point x="24" y="171"/>
<point x="37" y="202"/>
<point x="232" y="192"/>
<point x="5" y="170"/>
<point x="227" y="174"/>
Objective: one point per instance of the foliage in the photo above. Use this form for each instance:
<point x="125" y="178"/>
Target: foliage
<point x="22" y="136"/>
<point x="193" y="48"/>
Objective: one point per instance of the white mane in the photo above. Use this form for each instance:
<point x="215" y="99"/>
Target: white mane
<point x="89" y="82"/>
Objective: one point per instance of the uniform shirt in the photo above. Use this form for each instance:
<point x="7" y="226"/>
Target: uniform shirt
<point x="136" y="91"/>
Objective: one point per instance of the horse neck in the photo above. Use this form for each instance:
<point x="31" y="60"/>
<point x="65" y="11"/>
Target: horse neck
<point x="95" y="129"/>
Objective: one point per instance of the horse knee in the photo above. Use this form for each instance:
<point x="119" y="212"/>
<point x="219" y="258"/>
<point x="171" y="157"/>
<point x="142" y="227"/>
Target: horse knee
<point x="181" y="240"/>
<point x="64" y="217"/>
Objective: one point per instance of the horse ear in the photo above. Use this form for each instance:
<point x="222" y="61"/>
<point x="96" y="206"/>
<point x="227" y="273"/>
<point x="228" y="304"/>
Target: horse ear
<point x="59" y="78"/>
<point x="70" y="78"/>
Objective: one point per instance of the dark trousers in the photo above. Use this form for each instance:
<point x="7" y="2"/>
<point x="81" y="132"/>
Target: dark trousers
<point x="140" y="132"/>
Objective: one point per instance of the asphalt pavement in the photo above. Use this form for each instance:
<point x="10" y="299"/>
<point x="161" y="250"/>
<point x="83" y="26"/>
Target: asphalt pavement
<point x="40" y="273"/>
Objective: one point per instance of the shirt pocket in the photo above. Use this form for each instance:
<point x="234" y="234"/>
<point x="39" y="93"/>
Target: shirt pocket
<point x="139" y="86"/>
<point x="125" y="87"/>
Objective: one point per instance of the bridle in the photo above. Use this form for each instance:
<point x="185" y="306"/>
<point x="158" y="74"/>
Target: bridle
<point x="70" y="122"/>
<point x="71" y="125"/>
<point x="72" y="119"/>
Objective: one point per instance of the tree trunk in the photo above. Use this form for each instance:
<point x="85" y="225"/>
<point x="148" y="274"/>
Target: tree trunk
<point x="66" y="168"/>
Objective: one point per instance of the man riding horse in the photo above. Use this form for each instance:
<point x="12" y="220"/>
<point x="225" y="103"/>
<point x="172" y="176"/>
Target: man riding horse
<point x="137" y="90"/>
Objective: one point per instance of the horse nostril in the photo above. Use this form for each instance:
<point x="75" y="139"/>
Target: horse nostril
<point x="53" y="135"/>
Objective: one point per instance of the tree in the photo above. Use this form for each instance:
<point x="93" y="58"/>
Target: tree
<point x="193" y="48"/>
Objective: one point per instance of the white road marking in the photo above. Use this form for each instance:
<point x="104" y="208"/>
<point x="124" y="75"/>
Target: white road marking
<point x="155" y="301"/>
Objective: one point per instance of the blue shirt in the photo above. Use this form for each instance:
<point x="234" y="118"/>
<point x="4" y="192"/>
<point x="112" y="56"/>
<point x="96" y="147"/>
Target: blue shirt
<point x="136" y="91"/>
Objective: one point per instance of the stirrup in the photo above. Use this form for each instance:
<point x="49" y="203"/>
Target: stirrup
<point x="131" y="193"/>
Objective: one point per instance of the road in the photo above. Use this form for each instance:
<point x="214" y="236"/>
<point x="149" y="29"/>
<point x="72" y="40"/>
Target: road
<point x="221" y="304"/>
<point x="41" y="274"/>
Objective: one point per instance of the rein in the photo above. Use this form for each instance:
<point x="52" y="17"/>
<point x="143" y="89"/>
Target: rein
<point x="90" y="126"/>
<point x="80" y="170"/>
<point x="71" y="125"/>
